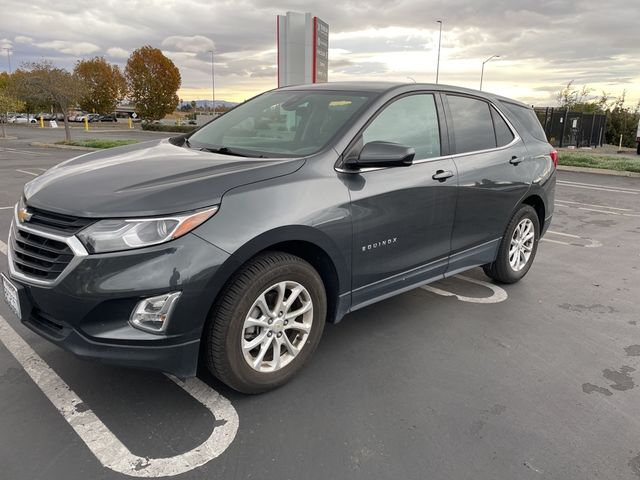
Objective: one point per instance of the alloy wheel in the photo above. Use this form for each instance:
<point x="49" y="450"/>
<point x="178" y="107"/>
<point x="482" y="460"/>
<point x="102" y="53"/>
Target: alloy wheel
<point x="521" y="246"/>
<point x="277" y="326"/>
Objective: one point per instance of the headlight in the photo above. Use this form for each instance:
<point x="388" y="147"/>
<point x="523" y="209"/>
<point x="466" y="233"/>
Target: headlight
<point x="116" y="235"/>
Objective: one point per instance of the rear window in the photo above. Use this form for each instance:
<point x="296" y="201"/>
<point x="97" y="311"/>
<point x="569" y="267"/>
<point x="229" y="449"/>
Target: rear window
<point x="527" y="118"/>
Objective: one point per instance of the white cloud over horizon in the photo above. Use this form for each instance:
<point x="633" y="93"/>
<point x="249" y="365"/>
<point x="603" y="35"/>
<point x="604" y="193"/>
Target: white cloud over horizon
<point x="542" y="45"/>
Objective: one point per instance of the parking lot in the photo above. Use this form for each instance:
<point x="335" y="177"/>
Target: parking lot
<point x="461" y="379"/>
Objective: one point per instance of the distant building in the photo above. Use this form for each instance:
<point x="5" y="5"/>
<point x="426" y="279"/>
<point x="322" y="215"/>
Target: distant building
<point x="303" y="49"/>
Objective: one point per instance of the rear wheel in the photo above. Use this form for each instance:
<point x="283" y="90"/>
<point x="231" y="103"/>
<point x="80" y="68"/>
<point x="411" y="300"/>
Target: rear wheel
<point x="266" y="324"/>
<point x="517" y="248"/>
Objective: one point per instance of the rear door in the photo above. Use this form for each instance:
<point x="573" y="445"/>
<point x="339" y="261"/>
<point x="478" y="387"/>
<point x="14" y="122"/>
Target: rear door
<point x="402" y="216"/>
<point x="493" y="176"/>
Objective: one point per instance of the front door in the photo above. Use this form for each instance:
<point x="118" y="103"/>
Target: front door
<point x="402" y="216"/>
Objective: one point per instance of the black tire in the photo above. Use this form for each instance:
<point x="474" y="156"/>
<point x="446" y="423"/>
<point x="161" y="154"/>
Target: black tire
<point x="501" y="270"/>
<point x="224" y="332"/>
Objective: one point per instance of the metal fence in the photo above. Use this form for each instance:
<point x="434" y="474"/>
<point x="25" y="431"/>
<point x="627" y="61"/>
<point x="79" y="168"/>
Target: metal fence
<point x="565" y="128"/>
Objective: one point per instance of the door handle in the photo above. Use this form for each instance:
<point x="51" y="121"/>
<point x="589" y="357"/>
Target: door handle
<point x="515" y="160"/>
<point x="442" y="175"/>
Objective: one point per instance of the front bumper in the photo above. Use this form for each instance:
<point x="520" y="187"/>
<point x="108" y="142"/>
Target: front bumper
<point x="87" y="312"/>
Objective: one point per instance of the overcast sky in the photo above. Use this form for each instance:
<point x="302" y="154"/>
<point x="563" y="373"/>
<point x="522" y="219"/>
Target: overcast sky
<point x="542" y="44"/>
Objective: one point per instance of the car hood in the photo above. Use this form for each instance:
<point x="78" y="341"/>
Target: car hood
<point x="151" y="178"/>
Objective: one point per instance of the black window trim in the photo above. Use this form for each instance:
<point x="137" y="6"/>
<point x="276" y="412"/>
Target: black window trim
<point x="447" y="137"/>
<point x="442" y="128"/>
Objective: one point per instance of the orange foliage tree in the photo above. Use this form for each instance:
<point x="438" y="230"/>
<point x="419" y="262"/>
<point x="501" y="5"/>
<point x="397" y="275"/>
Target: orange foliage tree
<point x="153" y="82"/>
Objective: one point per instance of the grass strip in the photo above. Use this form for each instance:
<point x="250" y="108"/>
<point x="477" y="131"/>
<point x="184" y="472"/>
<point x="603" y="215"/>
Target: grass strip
<point x="97" y="143"/>
<point x="579" y="159"/>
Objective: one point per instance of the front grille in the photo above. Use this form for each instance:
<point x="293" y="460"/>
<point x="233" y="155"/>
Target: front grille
<point x="39" y="257"/>
<point x="65" y="224"/>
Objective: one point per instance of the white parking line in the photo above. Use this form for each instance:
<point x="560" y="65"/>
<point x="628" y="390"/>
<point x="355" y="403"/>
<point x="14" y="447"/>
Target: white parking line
<point x="29" y="173"/>
<point x="622" y="212"/>
<point x="6" y="208"/>
<point x="3" y="248"/>
<point x="592" y="205"/>
<point x="599" y="185"/>
<point x="592" y="243"/>
<point x="563" y="234"/>
<point x="555" y="241"/>
<point x="604" y="189"/>
<point x="499" y="294"/>
<point x="106" y="447"/>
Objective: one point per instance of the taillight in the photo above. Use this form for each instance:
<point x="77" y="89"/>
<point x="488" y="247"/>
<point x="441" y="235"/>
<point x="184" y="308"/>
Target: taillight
<point x="554" y="158"/>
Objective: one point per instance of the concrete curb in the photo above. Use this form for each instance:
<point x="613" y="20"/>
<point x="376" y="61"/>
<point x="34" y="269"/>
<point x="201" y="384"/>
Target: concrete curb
<point x="63" y="147"/>
<point x="601" y="171"/>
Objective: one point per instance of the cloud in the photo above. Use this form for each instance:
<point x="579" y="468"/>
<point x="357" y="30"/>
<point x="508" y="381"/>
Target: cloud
<point x="192" y="44"/>
<point x="117" y="52"/>
<point x="24" y="40"/>
<point x="70" y="48"/>
<point x="542" y="44"/>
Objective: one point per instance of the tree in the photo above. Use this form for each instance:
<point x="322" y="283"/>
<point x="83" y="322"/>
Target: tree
<point x="105" y="85"/>
<point x="621" y="119"/>
<point x="40" y="83"/>
<point x="153" y="81"/>
<point x="8" y="103"/>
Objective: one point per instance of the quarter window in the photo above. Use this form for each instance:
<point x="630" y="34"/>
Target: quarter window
<point x="472" y="124"/>
<point x="504" y="135"/>
<point x="411" y="121"/>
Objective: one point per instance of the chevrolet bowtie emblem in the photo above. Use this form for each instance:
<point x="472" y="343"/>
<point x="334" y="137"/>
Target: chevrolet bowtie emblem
<point x="24" y="215"/>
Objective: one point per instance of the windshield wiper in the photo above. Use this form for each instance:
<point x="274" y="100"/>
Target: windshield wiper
<point x="228" y="151"/>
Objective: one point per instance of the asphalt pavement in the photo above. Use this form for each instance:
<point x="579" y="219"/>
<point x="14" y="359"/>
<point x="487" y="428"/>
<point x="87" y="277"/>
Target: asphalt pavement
<point x="462" y="379"/>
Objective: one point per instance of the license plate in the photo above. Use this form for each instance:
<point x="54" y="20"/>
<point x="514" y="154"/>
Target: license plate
<point x="11" y="296"/>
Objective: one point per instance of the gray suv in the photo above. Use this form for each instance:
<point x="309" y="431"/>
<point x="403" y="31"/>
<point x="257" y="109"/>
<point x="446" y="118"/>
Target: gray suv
<point x="230" y="247"/>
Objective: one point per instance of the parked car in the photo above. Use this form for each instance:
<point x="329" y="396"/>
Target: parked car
<point x="108" y="118"/>
<point x="638" y="138"/>
<point x="234" y="244"/>
<point x="23" y="119"/>
<point x="80" y="117"/>
<point x="93" y="117"/>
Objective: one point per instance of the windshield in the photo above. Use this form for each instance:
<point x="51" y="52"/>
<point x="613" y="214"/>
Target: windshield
<point x="281" y="123"/>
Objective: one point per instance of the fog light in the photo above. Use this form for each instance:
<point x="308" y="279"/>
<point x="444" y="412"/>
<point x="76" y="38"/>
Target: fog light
<point x="152" y="314"/>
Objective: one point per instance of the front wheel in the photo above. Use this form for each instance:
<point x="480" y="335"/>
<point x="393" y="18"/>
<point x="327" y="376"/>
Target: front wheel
<point x="266" y="323"/>
<point x="517" y="248"/>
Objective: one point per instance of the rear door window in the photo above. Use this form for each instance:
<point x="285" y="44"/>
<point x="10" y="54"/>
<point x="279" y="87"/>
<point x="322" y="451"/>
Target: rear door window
<point x="472" y="124"/>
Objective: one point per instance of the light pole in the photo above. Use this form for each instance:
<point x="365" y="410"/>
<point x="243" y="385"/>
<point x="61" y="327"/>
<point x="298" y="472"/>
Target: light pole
<point x="482" y="72"/>
<point x="8" y="57"/>
<point x="439" y="44"/>
<point x="213" y="85"/>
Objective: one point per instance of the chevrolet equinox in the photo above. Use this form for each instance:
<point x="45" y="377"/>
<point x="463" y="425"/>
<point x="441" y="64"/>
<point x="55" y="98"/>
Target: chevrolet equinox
<point x="232" y="246"/>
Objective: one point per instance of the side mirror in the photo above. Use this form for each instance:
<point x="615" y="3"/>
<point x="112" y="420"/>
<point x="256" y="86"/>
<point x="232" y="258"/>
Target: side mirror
<point x="383" y="154"/>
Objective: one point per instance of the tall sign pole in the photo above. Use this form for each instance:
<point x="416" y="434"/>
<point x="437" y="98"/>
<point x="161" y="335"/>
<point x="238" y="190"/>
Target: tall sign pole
<point x="439" y="45"/>
<point x="8" y="57"/>
<point x="213" y="85"/>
